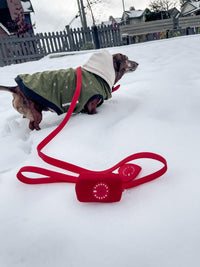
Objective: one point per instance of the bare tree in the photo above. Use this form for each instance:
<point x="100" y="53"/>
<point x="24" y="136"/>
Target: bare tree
<point x="162" y="5"/>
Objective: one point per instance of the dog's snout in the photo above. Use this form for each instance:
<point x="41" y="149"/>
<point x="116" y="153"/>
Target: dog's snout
<point x="132" y="65"/>
<point x="135" y="64"/>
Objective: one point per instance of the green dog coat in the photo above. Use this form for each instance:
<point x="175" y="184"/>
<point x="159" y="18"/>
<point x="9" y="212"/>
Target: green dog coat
<point x="55" y="89"/>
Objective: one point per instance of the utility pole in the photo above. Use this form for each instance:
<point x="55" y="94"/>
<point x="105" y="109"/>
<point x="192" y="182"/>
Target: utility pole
<point x="123" y="5"/>
<point x="82" y="14"/>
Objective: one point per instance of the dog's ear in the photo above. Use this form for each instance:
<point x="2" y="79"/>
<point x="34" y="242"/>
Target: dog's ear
<point x="119" y="63"/>
<point x="118" y="60"/>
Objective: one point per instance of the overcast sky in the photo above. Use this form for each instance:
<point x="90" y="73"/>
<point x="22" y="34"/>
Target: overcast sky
<point x="54" y="15"/>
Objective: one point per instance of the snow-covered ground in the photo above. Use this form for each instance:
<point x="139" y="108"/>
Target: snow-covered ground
<point x="157" y="109"/>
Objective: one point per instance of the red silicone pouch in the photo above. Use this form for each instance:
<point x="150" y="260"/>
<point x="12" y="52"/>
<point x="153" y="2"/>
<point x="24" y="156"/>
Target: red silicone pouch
<point x="99" y="188"/>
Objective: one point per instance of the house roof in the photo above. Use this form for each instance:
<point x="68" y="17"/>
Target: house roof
<point x="195" y="5"/>
<point x="4" y="28"/>
<point x="174" y="12"/>
<point x="112" y="21"/>
<point x="134" y="13"/>
<point x="27" y="6"/>
<point x="107" y="23"/>
<point x="118" y="20"/>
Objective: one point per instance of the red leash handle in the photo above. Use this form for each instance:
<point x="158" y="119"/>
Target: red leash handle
<point x="149" y="177"/>
<point x="56" y="177"/>
<point x="49" y="176"/>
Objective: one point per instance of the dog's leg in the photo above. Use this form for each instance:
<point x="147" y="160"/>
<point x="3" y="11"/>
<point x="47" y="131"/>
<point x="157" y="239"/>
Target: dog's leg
<point x="36" y="112"/>
<point x="18" y="100"/>
<point x="91" y="106"/>
<point x="25" y="106"/>
<point x="8" y="89"/>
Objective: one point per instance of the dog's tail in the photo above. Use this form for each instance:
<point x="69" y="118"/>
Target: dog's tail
<point x="8" y="89"/>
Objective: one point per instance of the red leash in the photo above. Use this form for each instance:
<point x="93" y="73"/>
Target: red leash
<point x="102" y="186"/>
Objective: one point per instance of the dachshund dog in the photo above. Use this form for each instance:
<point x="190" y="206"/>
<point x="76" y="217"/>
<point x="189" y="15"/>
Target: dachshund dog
<point x="30" y="105"/>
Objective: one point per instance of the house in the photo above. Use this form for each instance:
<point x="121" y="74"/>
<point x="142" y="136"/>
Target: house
<point x="106" y="23"/>
<point x="134" y="16"/>
<point x="115" y="21"/>
<point x="111" y="22"/>
<point x="171" y="13"/>
<point x="15" y="14"/>
<point x="190" y="9"/>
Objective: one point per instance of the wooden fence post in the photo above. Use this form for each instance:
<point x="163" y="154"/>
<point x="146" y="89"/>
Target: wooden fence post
<point x="175" y="23"/>
<point x="70" y="38"/>
<point x="96" y="37"/>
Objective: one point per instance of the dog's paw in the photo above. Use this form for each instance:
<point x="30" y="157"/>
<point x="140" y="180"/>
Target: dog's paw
<point x="34" y="126"/>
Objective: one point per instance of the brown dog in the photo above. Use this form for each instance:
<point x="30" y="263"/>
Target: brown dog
<point x="32" y="109"/>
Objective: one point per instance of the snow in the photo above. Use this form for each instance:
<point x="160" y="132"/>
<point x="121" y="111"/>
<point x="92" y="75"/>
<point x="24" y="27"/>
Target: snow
<point x="156" y="109"/>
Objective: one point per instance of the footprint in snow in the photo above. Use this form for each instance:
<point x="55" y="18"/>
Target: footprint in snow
<point x="15" y="143"/>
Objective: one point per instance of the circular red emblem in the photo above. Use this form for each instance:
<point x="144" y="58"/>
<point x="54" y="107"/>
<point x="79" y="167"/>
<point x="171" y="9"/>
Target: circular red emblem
<point x="100" y="190"/>
<point x="127" y="172"/>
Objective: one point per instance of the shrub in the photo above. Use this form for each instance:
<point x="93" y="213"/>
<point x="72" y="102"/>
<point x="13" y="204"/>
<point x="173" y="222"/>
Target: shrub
<point x="87" y="46"/>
